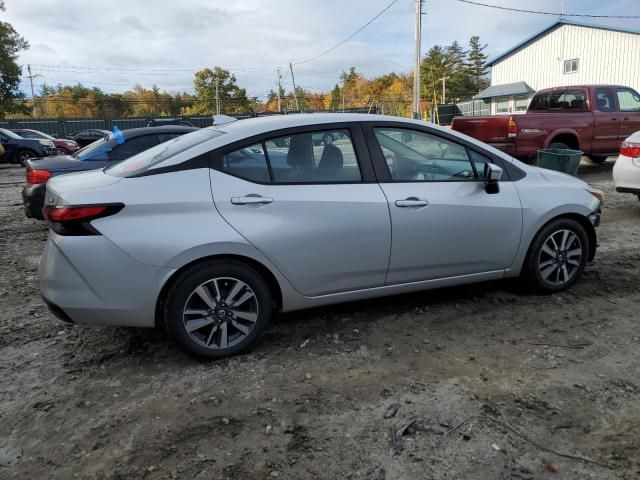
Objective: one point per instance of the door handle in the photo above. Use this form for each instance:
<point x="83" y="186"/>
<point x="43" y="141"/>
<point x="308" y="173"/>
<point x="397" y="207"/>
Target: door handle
<point x="251" y="200"/>
<point x="412" y="202"/>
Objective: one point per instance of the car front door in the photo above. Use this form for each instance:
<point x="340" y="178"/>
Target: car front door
<point x="629" y="104"/>
<point x="444" y="222"/>
<point x="606" y="120"/>
<point x="315" y="211"/>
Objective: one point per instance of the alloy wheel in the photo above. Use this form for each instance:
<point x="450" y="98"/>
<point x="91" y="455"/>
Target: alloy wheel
<point x="560" y="257"/>
<point x="220" y="313"/>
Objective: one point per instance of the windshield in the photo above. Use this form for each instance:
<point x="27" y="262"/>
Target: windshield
<point x="36" y="134"/>
<point x="96" y="148"/>
<point x="145" y="160"/>
<point x="10" y="134"/>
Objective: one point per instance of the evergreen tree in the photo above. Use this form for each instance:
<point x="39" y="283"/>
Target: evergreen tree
<point x="477" y="64"/>
<point x="335" y="98"/>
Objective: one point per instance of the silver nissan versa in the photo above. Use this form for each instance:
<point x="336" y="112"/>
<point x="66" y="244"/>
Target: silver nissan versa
<point x="209" y="233"/>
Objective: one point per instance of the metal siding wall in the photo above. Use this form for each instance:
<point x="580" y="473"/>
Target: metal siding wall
<point x="605" y="57"/>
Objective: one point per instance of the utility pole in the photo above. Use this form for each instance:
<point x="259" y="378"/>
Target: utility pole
<point x="416" y="65"/>
<point x="444" y="89"/>
<point x="33" y="95"/>
<point x="279" y="87"/>
<point x="217" y="97"/>
<point x="295" y="94"/>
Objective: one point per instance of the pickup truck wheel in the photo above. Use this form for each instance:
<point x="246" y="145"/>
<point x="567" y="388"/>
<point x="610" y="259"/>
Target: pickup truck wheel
<point x="560" y="145"/>
<point x="598" y="158"/>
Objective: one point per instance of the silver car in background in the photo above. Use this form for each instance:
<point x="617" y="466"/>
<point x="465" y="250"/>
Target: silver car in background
<point x="209" y="233"/>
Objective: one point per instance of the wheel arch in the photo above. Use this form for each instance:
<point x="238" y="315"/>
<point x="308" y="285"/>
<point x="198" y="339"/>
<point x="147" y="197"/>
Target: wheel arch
<point x="566" y="136"/>
<point x="272" y="282"/>
<point x="582" y="220"/>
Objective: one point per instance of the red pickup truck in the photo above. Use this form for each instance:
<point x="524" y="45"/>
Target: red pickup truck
<point x="593" y="118"/>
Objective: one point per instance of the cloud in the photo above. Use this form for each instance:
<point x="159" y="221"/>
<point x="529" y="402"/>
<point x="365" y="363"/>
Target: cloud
<point x="252" y="37"/>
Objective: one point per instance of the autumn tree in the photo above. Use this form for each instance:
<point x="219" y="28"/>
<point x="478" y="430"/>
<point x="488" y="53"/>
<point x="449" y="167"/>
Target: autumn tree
<point x="233" y="99"/>
<point x="10" y="45"/>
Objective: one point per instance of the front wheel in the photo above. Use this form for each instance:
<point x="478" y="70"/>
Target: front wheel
<point x="217" y="309"/>
<point x="557" y="256"/>
<point x="24" y="155"/>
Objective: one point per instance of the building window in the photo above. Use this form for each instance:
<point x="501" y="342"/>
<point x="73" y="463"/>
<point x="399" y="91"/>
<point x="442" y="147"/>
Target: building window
<point x="571" y="66"/>
<point x="502" y="104"/>
<point x="521" y="103"/>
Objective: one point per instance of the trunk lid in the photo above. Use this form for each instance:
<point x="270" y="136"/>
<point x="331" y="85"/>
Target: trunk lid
<point x="493" y="129"/>
<point x="60" y="189"/>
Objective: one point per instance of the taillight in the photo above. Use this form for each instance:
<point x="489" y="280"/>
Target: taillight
<point x="630" y="149"/>
<point x="38" y="176"/>
<point x="512" y="128"/>
<point x="75" y="220"/>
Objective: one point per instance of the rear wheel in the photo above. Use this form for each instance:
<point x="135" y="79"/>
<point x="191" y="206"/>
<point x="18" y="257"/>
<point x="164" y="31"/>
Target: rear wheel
<point x="24" y="155"/>
<point x="560" y="145"/>
<point x="557" y="256"/>
<point x="598" y="158"/>
<point x="217" y="309"/>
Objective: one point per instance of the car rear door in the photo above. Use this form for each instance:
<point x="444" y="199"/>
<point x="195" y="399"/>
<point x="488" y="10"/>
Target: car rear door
<point x="629" y="105"/>
<point x="444" y="223"/>
<point x="606" y="119"/>
<point x="315" y="211"/>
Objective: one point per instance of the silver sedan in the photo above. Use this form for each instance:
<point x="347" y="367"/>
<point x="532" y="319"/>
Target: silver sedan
<point x="210" y="233"/>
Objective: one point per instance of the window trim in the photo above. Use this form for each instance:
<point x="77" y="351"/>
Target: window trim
<point x="570" y="62"/>
<point x="511" y="172"/>
<point x="357" y="139"/>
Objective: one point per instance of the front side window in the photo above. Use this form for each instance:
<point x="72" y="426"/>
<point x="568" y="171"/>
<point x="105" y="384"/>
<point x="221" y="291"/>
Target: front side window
<point x="249" y="163"/>
<point x="629" y="100"/>
<point x="326" y="156"/>
<point x="571" y="66"/>
<point x="414" y="156"/>
<point x="604" y="100"/>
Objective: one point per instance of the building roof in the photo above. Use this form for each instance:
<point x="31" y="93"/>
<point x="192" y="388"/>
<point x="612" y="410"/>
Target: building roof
<point x="552" y="27"/>
<point x="505" y="90"/>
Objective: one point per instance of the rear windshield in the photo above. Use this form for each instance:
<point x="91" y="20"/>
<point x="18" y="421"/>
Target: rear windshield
<point x="145" y="160"/>
<point x="567" y="101"/>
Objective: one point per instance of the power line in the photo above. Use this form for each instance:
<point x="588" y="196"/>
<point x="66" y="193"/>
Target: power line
<point x="118" y="69"/>
<point x="349" y="37"/>
<point x="555" y="14"/>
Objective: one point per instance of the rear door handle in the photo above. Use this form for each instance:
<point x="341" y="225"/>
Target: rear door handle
<point x="412" y="202"/>
<point x="251" y="200"/>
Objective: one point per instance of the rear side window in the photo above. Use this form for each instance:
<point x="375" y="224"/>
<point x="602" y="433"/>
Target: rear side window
<point x="604" y="100"/>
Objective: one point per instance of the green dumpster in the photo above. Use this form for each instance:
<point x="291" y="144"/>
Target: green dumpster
<point x="560" y="159"/>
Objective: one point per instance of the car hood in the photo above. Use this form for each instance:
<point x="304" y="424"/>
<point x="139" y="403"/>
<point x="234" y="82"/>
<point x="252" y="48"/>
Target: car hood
<point x="559" y="178"/>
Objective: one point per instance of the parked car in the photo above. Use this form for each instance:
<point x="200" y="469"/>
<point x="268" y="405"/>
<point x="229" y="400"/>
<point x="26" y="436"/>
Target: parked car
<point x="86" y="137"/>
<point x="157" y="122"/>
<point x="206" y="234"/>
<point x="19" y="150"/>
<point x="592" y="118"/>
<point x="64" y="146"/>
<point x="626" y="171"/>
<point x="99" y="154"/>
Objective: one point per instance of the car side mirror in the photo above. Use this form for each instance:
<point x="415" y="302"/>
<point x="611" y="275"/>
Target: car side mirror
<point x="492" y="176"/>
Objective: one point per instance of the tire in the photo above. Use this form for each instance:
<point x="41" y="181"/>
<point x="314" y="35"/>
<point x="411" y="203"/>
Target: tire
<point x="539" y="265"/>
<point x="24" y="155"/>
<point x="219" y="329"/>
<point x="598" y="159"/>
<point x="560" y="145"/>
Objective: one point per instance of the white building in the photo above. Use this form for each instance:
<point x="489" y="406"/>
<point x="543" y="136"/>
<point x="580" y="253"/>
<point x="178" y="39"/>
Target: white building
<point x="565" y="53"/>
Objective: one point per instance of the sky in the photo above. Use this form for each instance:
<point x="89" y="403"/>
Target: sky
<point x="116" y="44"/>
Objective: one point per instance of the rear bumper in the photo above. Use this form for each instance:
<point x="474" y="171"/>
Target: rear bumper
<point x="33" y="199"/>
<point x="635" y="191"/>
<point x="626" y="175"/>
<point x="89" y="280"/>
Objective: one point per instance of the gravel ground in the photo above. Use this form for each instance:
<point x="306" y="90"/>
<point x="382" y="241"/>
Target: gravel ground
<point x="480" y="382"/>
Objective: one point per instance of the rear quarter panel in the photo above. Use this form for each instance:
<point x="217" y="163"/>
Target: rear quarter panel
<point x="538" y="130"/>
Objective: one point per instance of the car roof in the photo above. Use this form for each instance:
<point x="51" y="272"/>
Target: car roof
<point x="260" y="125"/>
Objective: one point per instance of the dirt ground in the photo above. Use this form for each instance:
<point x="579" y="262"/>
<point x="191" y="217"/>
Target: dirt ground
<point x="489" y="381"/>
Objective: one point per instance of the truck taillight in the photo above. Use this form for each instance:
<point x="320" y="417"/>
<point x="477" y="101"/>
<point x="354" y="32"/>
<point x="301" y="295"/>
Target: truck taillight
<point x="38" y="176"/>
<point x="512" y="128"/>
<point x="630" y="149"/>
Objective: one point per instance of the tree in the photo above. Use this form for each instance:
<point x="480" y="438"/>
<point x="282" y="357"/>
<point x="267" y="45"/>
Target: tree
<point x="233" y="99"/>
<point x="477" y="64"/>
<point x="10" y="45"/>
<point x="335" y="98"/>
